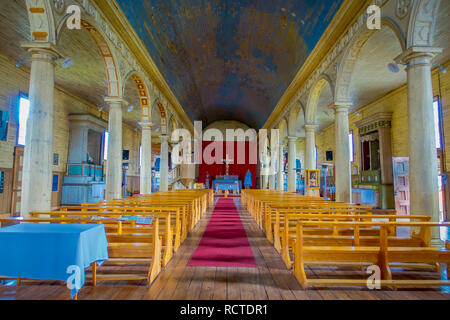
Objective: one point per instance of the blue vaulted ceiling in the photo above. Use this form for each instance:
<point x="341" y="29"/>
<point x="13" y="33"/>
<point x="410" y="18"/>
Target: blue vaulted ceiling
<point x="229" y="59"/>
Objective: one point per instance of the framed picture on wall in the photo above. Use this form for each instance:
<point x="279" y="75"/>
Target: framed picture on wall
<point x="313" y="179"/>
<point x="4" y="121"/>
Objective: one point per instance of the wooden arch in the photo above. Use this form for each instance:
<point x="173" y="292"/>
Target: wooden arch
<point x="314" y="96"/>
<point x="352" y="53"/>
<point x="143" y="94"/>
<point x="111" y="65"/>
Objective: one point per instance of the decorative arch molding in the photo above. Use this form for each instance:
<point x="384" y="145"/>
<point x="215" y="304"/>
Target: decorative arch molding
<point x="330" y="64"/>
<point x="173" y="124"/>
<point x="296" y="111"/>
<point x="351" y="54"/>
<point x="282" y="126"/>
<point x="163" y="113"/>
<point x="112" y="72"/>
<point x="125" y="61"/>
<point x="314" y="95"/>
<point x="143" y="94"/>
<point x="42" y="23"/>
<point x="422" y="23"/>
<point x="105" y="49"/>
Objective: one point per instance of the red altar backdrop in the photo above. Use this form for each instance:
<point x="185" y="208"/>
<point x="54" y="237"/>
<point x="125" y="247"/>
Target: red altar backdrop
<point x="234" y="169"/>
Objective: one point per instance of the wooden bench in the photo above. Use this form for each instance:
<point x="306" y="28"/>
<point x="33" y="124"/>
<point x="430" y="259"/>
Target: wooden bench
<point x="381" y="255"/>
<point x="279" y="213"/>
<point x="285" y="232"/>
<point x="165" y="230"/>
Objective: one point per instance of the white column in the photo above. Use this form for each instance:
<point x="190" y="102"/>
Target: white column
<point x="291" y="164"/>
<point x="263" y="178"/>
<point x="342" y="162"/>
<point x="164" y="174"/>
<point x="423" y="171"/>
<point x="280" y="169"/>
<point x="37" y="164"/>
<point x="310" y="147"/>
<point x="115" y="150"/>
<point x="146" y="158"/>
<point x="272" y="182"/>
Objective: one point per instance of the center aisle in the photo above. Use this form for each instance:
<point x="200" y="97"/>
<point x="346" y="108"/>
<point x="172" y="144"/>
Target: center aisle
<point x="225" y="242"/>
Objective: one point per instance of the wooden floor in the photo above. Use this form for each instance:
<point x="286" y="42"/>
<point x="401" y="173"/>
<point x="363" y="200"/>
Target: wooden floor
<point x="270" y="281"/>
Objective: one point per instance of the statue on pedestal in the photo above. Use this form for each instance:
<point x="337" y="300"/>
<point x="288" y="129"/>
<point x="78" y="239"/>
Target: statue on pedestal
<point x="248" y="180"/>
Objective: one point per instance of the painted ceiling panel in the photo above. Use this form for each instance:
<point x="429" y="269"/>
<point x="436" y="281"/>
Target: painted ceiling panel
<point x="229" y="59"/>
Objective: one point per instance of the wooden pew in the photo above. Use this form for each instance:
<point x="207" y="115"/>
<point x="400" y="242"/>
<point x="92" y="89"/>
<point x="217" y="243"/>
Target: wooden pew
<point x="132" y="248"/>
<point x="381" y="255"/>
<point x="337" y="236"/>
<point x="276" y="214"/>
<point x="165" y="230"/>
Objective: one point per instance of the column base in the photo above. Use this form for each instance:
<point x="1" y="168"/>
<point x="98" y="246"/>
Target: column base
<point x="437" y="243"/>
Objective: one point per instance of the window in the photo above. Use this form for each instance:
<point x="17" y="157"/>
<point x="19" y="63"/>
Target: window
<point x="55" y="159"/>
<point x="105" y="145"/>
<point x="24" y="111"/>
<point x="437" y="123"/>
<point x="55" y="182"/>
<point x="4" y="120"/>
<point x="2" y="181"/>
<point x="350" y="142"/>
<point x="437" y="128"/>
<point x="315" y="156"/>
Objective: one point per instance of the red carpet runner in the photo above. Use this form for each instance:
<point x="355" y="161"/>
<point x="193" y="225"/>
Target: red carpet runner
<point x="225" y="242"/>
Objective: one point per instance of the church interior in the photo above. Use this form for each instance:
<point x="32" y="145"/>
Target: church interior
<point x="224" y="150"/>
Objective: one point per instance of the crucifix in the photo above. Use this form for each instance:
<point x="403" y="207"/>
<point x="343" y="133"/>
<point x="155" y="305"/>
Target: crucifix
<point x="227" y="162"/>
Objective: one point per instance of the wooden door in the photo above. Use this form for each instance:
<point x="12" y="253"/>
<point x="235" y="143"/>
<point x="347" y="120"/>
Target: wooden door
<point x="57" y="182"/>
<point x="401" y="185"/>
<point x="17" y="181"/>
<point x="5" y="191"/>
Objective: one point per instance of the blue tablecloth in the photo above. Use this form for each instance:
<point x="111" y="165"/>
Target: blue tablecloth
<point x="227" y="186"/>
<point x="51" y="251"/>
<point x="215" y="182"/>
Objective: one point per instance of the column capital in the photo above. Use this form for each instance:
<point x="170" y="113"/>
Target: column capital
<point x="292" y="138"/>
<point x="43" y="48"/>
<point x="341" y="106"/>
<point x="417" y="52"/>
<point x="311" y="127"/>
<point x="115" y="101"/>
<point x="164" y="138"/>
<point x="146" y="125"/>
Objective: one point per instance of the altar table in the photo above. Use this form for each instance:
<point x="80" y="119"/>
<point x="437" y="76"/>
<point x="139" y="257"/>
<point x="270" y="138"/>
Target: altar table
<point x="227" y="186"/>
<point x="227" y="182"/>
<point x="51" y="251"/>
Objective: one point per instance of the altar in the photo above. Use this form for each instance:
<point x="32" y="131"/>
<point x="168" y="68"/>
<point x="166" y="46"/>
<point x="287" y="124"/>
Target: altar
<point x="227" y="182"/>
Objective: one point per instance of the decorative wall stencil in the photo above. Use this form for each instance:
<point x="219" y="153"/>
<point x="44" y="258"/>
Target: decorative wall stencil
<point x="402" y="8"/>
<point x="59" y="6"/>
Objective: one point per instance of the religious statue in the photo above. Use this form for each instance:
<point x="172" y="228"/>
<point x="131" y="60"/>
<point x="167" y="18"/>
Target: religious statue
<point x="248" y="180"/>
